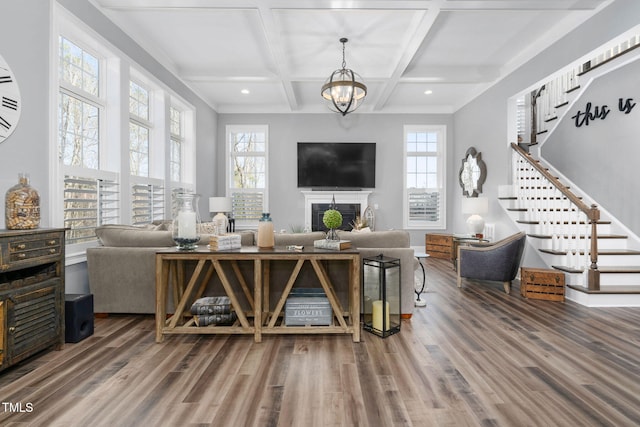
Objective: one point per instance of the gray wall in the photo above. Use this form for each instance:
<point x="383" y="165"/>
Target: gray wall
<point x="25" y="46"/>
<point x="600" y="157"/>
<point x="286" y="202"/>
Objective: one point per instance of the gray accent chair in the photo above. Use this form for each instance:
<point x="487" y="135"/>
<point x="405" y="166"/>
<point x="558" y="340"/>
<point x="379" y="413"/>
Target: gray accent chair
<point x="497" y="261"/>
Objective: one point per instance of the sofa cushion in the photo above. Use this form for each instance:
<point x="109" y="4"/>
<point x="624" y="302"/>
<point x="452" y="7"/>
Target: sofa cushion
<point x="304" y="239"/>
<point x="377" y="239"/>
<point x="133" y="236"/>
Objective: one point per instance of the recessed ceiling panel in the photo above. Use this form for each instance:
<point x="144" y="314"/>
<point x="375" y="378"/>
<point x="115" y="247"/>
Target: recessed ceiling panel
<point x="310" y="40"/>
<point x="226" y="94"/>
<point x="212" y="41"/>
<point x="481" y="38"/>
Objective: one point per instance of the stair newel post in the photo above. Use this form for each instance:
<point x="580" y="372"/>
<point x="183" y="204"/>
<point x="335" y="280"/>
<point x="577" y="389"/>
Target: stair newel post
<point x="594" y="273"/>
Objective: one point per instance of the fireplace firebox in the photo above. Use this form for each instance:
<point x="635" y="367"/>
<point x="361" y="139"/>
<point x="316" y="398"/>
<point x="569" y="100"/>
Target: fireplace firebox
<point x="349" y="212"/>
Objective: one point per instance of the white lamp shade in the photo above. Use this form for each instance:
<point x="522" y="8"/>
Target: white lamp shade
<point x="475" y="205"/>
<point x="219" y="204"/>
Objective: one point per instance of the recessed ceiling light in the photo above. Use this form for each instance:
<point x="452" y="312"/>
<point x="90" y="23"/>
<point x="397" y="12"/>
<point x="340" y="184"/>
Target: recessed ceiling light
<point x="428" y="92"/>
<point x="245" y="91"/>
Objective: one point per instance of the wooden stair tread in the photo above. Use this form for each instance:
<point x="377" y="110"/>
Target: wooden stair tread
<point x="618" y="252"/>
<point x="600" y="252"/>
<point x="600" y="236"/>
<point x="620" y="269"/>
<point x="520" y="221"/>
<point x="608" y="290"/>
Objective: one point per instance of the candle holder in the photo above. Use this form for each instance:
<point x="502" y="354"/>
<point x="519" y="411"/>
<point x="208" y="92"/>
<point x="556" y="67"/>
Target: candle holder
<point x="186" y="223"/>
<point x="381" y="295"/>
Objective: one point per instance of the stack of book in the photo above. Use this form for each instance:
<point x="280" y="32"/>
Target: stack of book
<point x="336" y="245"/>
<point x="213" y="311"/>
<point x="224" y="242"/>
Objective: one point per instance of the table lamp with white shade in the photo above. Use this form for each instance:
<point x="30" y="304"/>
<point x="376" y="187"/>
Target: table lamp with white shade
<point x="220" y="206"/>
<point x="475" y="207"/>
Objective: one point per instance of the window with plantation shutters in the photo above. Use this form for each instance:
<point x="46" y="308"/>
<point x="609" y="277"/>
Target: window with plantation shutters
<point x="424" y="176"/>
<point x="247" y="172"/>
<point x="147" y="202"/>
<point x="88" y="203"/>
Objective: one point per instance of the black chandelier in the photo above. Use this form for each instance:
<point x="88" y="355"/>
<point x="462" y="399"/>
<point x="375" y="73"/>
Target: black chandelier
<point x="342" y="89"/>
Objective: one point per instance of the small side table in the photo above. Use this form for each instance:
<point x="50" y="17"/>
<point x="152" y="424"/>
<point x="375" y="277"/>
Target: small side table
<point x="420" y="302"/>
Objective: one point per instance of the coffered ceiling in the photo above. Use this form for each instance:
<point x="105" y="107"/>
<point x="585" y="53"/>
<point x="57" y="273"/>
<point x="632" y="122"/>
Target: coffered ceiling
<point x="282" y="51"/>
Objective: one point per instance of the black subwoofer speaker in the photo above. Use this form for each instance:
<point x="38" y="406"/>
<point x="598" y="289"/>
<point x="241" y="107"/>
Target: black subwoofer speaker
<point x="78" y="316"/>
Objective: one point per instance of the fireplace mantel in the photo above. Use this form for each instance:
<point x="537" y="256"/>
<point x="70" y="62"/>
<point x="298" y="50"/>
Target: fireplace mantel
<point x="312" y="197"/>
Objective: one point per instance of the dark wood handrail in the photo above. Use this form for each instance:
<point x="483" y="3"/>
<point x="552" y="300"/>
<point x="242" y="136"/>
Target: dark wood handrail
<point x="592" y="212"/>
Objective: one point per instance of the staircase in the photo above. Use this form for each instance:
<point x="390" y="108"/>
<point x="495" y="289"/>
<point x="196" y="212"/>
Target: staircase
<point x="600" y="259"/>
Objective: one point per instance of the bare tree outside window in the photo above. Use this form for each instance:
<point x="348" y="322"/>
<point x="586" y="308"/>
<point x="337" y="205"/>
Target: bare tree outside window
<point x="248" y="178"/>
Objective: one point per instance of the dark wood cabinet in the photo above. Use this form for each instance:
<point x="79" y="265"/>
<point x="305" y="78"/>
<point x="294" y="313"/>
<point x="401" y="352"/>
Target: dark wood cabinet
<point x="31" y="293"/>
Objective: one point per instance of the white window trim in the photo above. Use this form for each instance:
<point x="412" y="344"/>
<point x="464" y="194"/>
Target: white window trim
<point x="442" y="178"/>
<point x="228" y="175"/>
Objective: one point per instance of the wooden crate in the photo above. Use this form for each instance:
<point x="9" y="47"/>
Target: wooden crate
<point x="439" y="245"/>
<point x="543" y="284"/>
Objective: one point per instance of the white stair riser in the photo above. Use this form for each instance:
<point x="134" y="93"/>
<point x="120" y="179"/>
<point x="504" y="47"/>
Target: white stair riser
<point x="619" y="279"/>
<point x="539" y="243"/>
<point x="618" y="260"/>
<point x="606" y="300"/>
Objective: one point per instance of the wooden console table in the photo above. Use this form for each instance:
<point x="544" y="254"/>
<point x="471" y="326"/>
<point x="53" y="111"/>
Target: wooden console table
<point x="171" y="269"/>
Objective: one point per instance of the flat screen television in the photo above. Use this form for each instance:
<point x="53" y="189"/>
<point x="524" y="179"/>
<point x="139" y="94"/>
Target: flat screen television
<point x="337" y="165"/>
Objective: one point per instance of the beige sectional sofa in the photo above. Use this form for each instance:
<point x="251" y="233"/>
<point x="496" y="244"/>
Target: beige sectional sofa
<point x="122" y="269"/>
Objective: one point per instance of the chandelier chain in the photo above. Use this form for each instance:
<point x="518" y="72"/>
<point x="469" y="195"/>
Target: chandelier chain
<point x="344" y="61"/>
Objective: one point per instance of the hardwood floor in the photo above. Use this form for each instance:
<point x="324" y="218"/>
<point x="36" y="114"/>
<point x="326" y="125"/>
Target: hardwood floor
<point x="472" y="357"/>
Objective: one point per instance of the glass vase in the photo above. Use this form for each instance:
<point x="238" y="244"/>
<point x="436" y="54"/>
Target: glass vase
<point x="266" y="239"/>
<point x="22" y="205"/>
<point x="186" y="222"/>
<point x="332" y="234"/>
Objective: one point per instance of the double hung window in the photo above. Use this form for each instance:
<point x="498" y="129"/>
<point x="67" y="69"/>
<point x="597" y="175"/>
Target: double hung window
<point x="247" y="178"/>
<point x="90" y="191"/>
<point x="424" y="198"/>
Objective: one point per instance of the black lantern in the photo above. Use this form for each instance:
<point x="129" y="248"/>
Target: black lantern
<point x="381" y="295"/>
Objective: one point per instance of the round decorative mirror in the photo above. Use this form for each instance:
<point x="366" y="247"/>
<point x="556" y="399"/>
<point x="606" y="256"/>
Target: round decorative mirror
<point x="472" y="173"/>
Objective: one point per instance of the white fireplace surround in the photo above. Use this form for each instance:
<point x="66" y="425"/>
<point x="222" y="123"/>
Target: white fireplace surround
<point x="353" y="197"/>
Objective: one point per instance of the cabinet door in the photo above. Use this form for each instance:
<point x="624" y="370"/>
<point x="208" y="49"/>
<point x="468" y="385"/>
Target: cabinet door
<point x="33" y="320"/>
<point x="3" y="320"/>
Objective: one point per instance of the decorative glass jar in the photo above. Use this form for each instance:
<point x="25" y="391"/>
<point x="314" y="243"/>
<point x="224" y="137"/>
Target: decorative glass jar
<point x="266" y="238"/>
<point x="22" y="205"/>
<point x="186" y="222"/>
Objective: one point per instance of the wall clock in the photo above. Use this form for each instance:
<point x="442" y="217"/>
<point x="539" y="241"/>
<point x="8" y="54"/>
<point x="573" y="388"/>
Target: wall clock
<point x="9" y="101"/>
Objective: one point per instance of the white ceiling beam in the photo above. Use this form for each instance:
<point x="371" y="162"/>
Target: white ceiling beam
<point x="277" y="52"/>
<point x="420" y="31"/>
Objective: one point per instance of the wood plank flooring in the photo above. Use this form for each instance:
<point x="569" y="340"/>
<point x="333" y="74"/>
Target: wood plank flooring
<point x="473" y="357"/>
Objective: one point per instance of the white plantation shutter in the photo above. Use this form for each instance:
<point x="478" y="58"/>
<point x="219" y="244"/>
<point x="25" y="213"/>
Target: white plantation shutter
<point x="88" y="203"/>
<point x="147" y="203"/>
<point x="247" y="206"/>
<point x="424" y="206"/>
